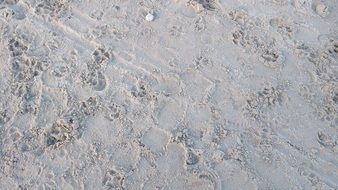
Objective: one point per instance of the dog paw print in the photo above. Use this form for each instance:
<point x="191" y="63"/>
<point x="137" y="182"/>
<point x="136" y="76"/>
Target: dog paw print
<point x="24" y="69"/>
<point x="199" y="24"/>
<point x="210" y="5"/>
<point x="119" y="34"/>
<point x="59" y="134"/>
<point x="272" y="58"/>
<point x="116" y="111"/>
<point x="90" y="106"/>
<point x="51" y="7"/>
<point x="97" y="14"/>
<point x="96" y="80"/>
<point x="139" y="91"/>
<point x="240" y="37"/>
<point x="239" y="16"/>
<point x="4" y="116"/>
<point x="237" y="154"/>
<point x="113" y="179"/>
<point x="183" y="136"/>
<point x="16" y="47"/>
<point x="282" y="26"/>
<point x="60" y="71"/>
<point x="191" y="158"/>
<point x="176" y="31"/>
<point x="259" y="102"/>
<point x="332" y="47"/>
<point x="101" y="55"/>
<point x="142" y="91"/>
<point x="201" y="61"/>
<point x="30" y="99"/>
<point x="326" y="140"/>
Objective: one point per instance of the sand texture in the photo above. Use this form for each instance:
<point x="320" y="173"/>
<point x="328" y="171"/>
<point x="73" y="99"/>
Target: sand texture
<point x="168" y="94"/>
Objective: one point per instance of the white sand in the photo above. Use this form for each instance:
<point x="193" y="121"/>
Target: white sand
<point x="199" y="94"/>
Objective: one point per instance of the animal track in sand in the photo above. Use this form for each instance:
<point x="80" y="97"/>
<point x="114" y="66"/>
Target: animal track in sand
<point x="282" y="26"/>
<point x="200" y="24"/>
<point x="113" y="179"/>
<point x="101" y="55"/>
<point x="93" y="96"/>
<point x="116" y="111"/>
<point x="210" y="5"/>
<point x="97" y="80"/>
<point x="59" y="134"/>
<point x="272" y="58"/>
<point x="90" y="106"/>
<point x="16" y="47"/>
<point x="51" y="8"/>
<point x="258" y="103"/>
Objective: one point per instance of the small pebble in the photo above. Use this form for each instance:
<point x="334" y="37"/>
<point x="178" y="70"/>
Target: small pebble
<point x="150" y="17"/>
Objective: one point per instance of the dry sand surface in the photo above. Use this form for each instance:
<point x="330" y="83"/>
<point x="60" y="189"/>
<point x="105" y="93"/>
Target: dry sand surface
<point x="168" y="94"/>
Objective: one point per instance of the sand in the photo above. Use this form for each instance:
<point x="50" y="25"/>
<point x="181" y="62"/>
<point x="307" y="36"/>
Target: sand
<point x="168" y="94"/>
